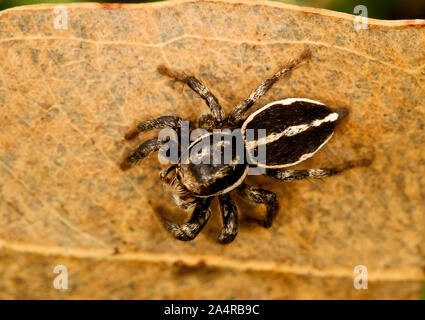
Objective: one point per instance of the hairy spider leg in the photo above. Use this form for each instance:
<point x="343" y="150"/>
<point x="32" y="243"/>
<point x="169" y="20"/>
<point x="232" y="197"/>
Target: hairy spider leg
<point x="152" y="145"/>
<point x="289" y="175"/>
<point x="153" y="124"/>
<point x="237" y="115"/>
<point x="141" y="152"/>
<point x="259" y="195"/>
<point x="190" y="229"/>
<point x="229" y="214"/>
<point x="211" y="101"/>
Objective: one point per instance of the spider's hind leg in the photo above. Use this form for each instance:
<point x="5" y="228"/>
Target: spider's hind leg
<point x="289" y="175"/>
<point x="259" y="195"/>
<point x="200" y="89"/>
<point x="197" y="221"/>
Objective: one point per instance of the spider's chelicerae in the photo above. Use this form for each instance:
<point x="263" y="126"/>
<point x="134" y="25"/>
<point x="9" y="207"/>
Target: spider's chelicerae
<point x="295" y="129"/>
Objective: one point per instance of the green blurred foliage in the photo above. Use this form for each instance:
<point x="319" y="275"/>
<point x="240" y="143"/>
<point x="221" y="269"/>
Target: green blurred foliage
<point x="379" y="9"/>
<point x="376" y="9"/>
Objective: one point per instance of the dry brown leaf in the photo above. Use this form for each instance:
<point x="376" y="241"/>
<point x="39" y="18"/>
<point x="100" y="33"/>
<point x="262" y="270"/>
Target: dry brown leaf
<point x="68" y="96"/>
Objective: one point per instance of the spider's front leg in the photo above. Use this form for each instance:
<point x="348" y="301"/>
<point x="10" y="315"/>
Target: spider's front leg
<point x="211" y="101"/>
<point x="190" y="229"/>
<point x="259" y="195"/>
<point x="152" y="145"/>
<point x="229" y="213"/>
<point x="153" y="124"/>
<point x="141" y="152"/>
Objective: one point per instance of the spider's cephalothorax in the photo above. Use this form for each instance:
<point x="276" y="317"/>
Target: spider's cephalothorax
<point x="295" y="129"/>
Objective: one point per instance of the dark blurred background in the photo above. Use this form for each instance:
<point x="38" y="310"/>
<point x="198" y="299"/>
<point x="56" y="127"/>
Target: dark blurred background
<point x="379" y="9"/>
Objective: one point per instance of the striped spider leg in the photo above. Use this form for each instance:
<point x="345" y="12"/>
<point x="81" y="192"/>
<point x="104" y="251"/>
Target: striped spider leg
<point x="237" y="116"/>
<point x="217" y="115"/>
<point x="152" y="145"/>
<point x="290" y="175"/>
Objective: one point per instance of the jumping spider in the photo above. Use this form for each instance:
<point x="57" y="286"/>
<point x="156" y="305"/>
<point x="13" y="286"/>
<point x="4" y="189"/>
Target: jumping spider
<point x="296" y="129"/>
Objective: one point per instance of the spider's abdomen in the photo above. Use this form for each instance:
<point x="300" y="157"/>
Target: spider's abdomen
<point x="296" y="129"/>
<point x="215" y="165"/>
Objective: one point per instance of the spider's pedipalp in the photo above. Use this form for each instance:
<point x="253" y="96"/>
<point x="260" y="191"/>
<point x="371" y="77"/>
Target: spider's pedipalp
<point x="181" y="196"/>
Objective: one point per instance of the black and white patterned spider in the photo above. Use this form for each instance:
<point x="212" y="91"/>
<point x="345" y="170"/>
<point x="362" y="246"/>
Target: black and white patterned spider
<point x="296" y="129"/>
